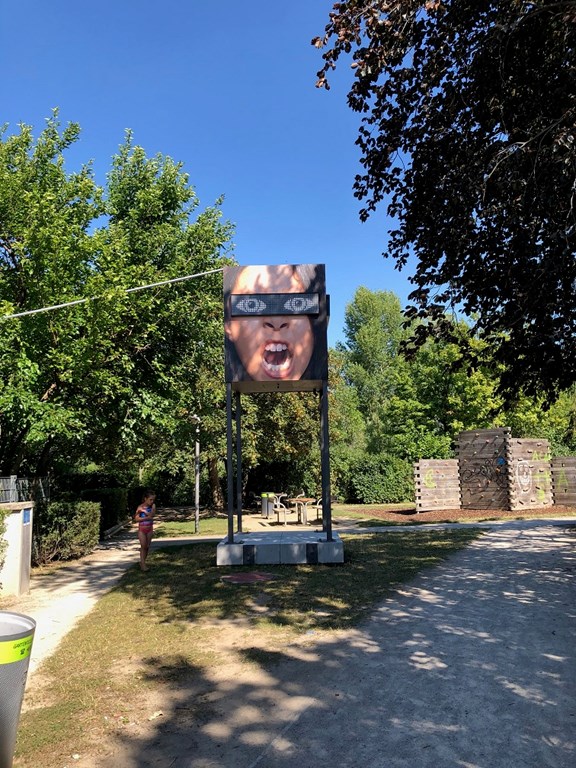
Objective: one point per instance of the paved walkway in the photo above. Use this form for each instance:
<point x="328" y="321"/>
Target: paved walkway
<point x="470" y="665"/>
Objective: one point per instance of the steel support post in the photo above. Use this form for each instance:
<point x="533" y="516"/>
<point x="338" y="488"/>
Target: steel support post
<point x="325" y="463"/>
<point x="229" y="462"/>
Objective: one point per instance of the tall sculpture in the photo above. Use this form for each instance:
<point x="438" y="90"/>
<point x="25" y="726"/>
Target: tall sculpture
<point x="275" y="322"/>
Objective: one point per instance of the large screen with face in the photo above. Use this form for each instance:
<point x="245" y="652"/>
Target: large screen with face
<point x="275" y="322"/>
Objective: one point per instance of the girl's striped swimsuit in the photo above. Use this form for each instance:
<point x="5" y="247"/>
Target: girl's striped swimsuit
<point x="147" y="523"/>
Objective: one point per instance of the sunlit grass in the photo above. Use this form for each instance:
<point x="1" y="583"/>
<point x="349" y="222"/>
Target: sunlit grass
<point x="208" y="526"/>
<point x="363" y="510"/>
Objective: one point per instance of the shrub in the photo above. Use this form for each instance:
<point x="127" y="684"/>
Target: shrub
<point x="381" y="479"/>
<point x="64" y="530"/>
<point x="113" y="505"/>
<point x="342" y="461"/>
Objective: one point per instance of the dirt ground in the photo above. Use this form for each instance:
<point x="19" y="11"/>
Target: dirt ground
<point x="460" y="515"/>
<point x="434" y="640"/>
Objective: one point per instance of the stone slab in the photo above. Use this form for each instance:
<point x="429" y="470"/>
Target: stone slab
<point x="289" y="548"/>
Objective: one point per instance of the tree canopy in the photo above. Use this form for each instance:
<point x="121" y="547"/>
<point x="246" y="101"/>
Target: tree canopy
<point x="111" y="380"/>
<point x="121" y="382"/>
<point x="468" y="136"/>
<point x="388" y="411"/>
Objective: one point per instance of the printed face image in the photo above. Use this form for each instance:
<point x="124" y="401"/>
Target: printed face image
<point x="271" y="347"/>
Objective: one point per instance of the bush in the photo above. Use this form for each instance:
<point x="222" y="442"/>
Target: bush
<point x="64" y="530"/>
<point x="342" y="460"/>
<point x="381" y="479"/>
<point x="113" y="505"/>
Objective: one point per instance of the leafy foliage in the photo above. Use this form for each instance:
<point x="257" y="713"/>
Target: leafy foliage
<point x="281" y="451"/>
<point x="381" y="479"/>
<point x="410" y="408"/>
<point x="388" y="412"/>
<point x="468" y="134"/>
<point x="109" y="380"/>
<point x="64" y="530"/>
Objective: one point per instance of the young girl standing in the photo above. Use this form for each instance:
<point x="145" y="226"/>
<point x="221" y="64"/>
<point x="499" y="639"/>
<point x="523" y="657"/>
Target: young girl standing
<point x="145" y="518"/>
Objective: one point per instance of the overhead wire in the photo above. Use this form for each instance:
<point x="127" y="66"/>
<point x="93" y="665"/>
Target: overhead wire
<point x="94" y="298"/>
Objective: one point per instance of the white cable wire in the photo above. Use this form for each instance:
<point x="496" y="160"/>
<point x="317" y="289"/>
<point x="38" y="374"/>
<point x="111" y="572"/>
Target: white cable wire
<point x="92" y="298"/>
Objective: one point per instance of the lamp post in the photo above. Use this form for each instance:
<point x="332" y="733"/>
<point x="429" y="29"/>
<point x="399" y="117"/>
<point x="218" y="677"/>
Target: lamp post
<point x="197" y="475"/>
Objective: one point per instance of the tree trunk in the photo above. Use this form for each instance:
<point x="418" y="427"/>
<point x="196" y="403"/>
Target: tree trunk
<point x="215" y="487"/>
<point x="43" y="462"/>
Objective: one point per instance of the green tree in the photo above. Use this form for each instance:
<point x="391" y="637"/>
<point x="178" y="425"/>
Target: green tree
<point x="412" y="408"/>
<point x="416" y="408"/>
<point x="176" y="360"/>
<point x="113" y="379"/>
<point x="347" y="426"/>
<point x="468" y="135"/>
<point x="45" y="253"/>
<point x="556" y="423"/>
<point x="458" y="396"/>
<point x="286" y="441"/>
<point x="373" y="332"/>
<point x="395" y="417"/>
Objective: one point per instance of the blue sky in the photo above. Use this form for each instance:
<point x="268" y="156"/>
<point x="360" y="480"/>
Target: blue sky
<point x="225" y="87"/>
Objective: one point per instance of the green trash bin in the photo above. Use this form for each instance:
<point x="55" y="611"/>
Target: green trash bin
<point x="268" y="504"/>
<point x="16" y="636"/>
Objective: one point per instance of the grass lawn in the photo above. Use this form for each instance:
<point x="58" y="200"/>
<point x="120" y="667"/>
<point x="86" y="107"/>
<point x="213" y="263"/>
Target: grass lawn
<point x="177" y="523"/>
<point x="171" y="625"/>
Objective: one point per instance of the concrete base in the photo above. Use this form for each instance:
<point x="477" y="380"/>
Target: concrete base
<point x="291" y="548"/>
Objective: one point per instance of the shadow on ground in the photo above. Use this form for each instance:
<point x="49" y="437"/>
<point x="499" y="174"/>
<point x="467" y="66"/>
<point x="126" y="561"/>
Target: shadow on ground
<point x="470" y="665"/>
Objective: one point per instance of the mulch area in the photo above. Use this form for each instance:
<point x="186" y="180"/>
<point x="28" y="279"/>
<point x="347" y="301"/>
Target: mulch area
<point x="459" y="515"/>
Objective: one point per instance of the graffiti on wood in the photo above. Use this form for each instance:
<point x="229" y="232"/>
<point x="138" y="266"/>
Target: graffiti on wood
<point x="491" y="470"/>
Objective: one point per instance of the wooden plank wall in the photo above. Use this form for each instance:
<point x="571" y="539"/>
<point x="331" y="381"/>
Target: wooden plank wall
<point x="529" y="473"/>
<point x="483" y="468"/>
<point x="564" y="480"/>
<point x="437" y="484"/>
<point x="495" y="471"/>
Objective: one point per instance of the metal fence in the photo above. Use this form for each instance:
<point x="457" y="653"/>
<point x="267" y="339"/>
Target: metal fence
<point x="15" y="488"/>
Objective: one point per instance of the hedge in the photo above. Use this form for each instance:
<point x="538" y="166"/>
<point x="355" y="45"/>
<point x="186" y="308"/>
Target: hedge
<point x="381" y="479"/>
<point x="64" y="530"/>
<point x="113" y="505"/>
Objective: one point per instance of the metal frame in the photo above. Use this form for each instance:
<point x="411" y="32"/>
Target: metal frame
<point x="236" y="503"/>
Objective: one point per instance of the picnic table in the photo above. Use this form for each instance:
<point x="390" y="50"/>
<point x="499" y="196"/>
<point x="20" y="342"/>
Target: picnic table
<point x="301" y="504"/>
